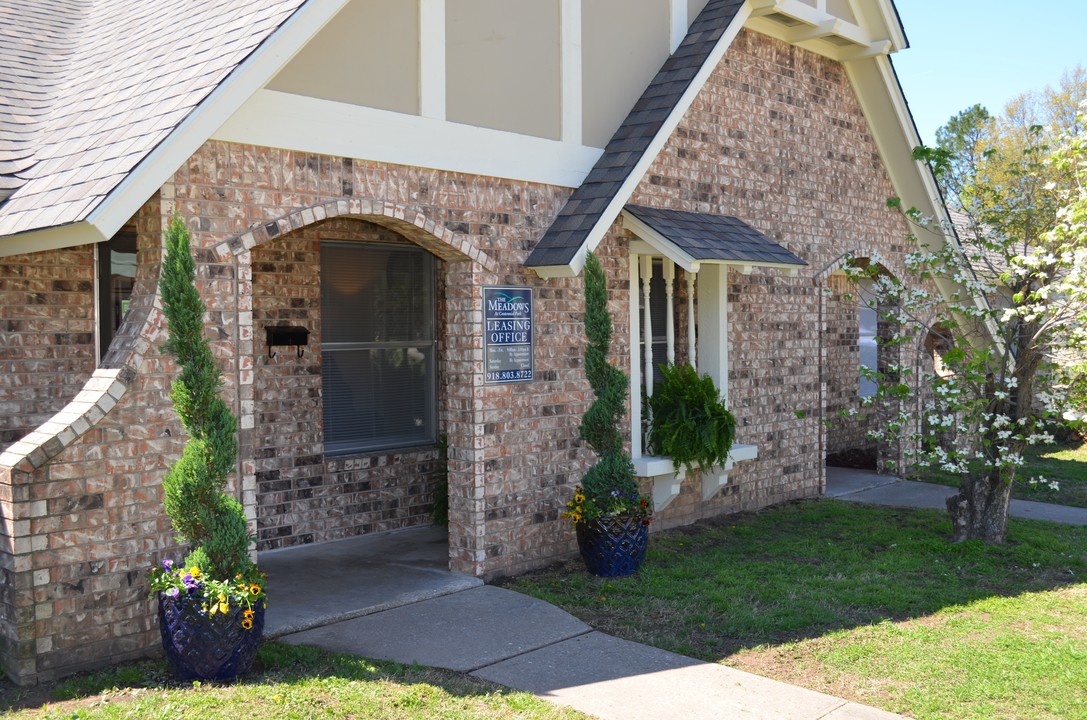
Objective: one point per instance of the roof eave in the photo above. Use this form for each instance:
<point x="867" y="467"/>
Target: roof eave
<point x="110" y="213"/>
<point x="659" y="242"/>
<point x="52" y="238"/>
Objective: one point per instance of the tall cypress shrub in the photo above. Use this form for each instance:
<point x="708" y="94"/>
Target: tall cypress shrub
<point x="613" y="474"/>
<point x="211" y="522"/>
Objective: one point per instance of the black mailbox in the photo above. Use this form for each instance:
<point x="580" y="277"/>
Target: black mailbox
<point x="290" y="335"/>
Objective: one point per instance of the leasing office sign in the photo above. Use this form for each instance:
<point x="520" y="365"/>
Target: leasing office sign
<point x="507" y="338"/>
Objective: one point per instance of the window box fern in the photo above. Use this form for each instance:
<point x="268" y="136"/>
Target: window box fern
<point x="689" y="422"/>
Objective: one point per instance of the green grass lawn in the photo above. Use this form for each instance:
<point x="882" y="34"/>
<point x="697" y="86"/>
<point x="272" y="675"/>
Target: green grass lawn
<point x="1067" y="464"/>
<point x="286" y="682"/>
<point x="871" y="604"/>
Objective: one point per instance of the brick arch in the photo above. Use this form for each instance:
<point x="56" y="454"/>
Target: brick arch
<point x="822" y="279"/>
<point x="840" y="262"/>
<point x="411" y="223"/>
<point x="142" y="329"/>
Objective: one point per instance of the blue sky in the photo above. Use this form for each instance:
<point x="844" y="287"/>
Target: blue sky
<point x="964" y="52"/>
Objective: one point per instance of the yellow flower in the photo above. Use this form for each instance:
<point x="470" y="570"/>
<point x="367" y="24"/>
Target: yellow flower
<point x="254" y="589"/>
<point x="579" y="499"/>
<point x="222" y="598"/>
<point x="213" y="610"/>
<point x="194" y="571"/>
<point x="247" y="624"/>
<point x="224" y="608"/>
<point x="248" y="613"/>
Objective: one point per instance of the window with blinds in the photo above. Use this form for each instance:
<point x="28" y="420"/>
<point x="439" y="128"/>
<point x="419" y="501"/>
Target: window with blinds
<point x="378" y="347"/>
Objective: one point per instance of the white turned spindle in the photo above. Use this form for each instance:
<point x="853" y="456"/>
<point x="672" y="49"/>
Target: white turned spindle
<point x="670" y="317"/>
<point x="647" y="325"/>
<point x="690" y="320"/>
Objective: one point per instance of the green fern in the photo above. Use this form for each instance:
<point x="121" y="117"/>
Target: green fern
<point x="690" y="422"/>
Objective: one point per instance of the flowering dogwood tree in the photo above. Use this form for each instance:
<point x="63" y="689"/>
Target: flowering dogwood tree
<point x="996" y="309"/>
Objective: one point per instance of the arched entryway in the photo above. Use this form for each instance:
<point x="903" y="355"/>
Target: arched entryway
<point x="854" y="324"/>
<point x="348" y="438"/>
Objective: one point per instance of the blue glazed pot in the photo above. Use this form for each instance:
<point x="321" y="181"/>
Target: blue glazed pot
<point x="613" y="546"/>
<point x="207" y="647"/>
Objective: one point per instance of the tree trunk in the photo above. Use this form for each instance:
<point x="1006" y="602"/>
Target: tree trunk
<point x="979" y="511"/>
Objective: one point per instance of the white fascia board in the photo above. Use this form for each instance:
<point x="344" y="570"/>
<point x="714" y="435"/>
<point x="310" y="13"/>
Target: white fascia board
<point x="325" y="127"/>
<point x="53" y="238"/>
<point x="248" y="77"/>
<point x="746" y="266"/>
<point x="791" y="8"/>
<point x="895" y="33"/>
<point x="659" y="243"/>
<point x="615" y="206"/>
<point x="895" y="135"/>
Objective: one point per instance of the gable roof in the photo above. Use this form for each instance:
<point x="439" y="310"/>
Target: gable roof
<point x="711" y="238"/>
<point x="593" y="206"/>
<point x="96" y="87"/>
<point x="596" y="202"/>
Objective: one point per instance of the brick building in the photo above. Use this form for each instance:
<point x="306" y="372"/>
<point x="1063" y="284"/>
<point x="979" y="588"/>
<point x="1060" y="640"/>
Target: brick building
<point x="370" y="173"/>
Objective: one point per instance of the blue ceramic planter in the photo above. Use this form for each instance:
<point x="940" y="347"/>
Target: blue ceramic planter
<point x="613" y="546"/>
<point x="207" y="647"/>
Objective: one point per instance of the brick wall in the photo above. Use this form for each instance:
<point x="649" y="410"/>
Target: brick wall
<point x="509" y="461"/>
<point x="777" y="139"/>
<point x="46" y="335"/>
<point x="89" y="524"/>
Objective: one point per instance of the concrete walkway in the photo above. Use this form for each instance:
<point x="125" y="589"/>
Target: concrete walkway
<point x="866" y="486"/>
<point x="387" y="597"/>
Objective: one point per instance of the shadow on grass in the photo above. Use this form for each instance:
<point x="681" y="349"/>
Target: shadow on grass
<point x="277" y="669"/>
<point x="804" y="570"/>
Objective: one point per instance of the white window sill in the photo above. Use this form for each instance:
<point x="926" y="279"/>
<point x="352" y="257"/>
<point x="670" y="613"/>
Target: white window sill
<point x="667" y="482"/>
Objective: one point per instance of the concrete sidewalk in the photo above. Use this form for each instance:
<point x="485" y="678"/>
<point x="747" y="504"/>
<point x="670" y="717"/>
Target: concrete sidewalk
<point x="387" y="597"/>
<point x="866" y="486"/>
<point x="524" y="643"/>
<point x="390" y="597"/>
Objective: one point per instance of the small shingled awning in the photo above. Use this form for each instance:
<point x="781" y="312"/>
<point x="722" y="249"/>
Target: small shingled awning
<point x="690" y="238"/>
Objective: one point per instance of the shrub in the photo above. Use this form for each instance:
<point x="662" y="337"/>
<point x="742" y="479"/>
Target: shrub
<point x="205" y="517"/>
<point x="689" y="421"/>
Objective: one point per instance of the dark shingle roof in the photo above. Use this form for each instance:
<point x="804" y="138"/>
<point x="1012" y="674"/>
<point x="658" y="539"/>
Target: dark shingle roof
<point x="586" y="205"/>
<point x="90" y="87"/>
<point x="714" y="237"/>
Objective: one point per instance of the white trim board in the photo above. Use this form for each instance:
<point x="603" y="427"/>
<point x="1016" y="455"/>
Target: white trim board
<point x="51" y="238"/>
<point x="295" y="122"/>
